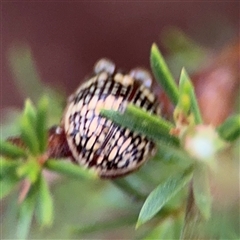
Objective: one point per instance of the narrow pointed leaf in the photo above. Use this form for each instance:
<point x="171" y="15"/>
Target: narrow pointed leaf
<point x="7" y="149"/>
<point x="163" y="75"/>
<point x="22" y="65"/>
<point x="230" y="129"/>
<point x="195" y="108"/>
<point x="41" y="123"/>
<point x="69" y="169"/>
<point x="188" y="89"/>
<point x="28" y="134"/>
<point x="201" y="191"/>
<point x="44" y="209"/>
<point x="141" y="121"/>
<point x="8" y="166"/>
<point x="30" y="112"/>
<point x="26" y="214"/>
<point x="162" y="194"/>
<point x="7" y="184"/>
<point x="8" y="177"/>
<point x="184" y="102"/>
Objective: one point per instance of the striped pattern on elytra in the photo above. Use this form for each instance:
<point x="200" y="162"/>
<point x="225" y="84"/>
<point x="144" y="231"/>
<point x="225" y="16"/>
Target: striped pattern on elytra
<point x="97" y="142"/>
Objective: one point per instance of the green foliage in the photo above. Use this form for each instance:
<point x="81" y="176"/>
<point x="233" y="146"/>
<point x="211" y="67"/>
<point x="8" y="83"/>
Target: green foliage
<point x="182" y="51"/>
<point x="187" y="99"/>
<point x="201" y="190"/>
<point x="163" y="74"/>
<point x="162" y="194"/>
<point x="68" y="169"/>
<point x="24" y="164"/>
<point x="8" y="177"/>
<point x="169" y="153"/>
<point x="11" y="151"/>
<point x="41" y="123"/>
<point x="25" y="72"/>
<point x="230" y="129"/>
<point x="8" y="184"/>
<point x="44" y="209"/>
<point x="33" y="126"/>
<point x="127" y="188"/>
<point x="26" y="211"/>
<point x="28" y="168"/>
<point x="119" y="222"/>
<point x="28" y="80"/>
<point x="162" y="208"/>
<point x="159" y="130"/>
<point x="28" y="134"/>
<point x="136" y="119"/>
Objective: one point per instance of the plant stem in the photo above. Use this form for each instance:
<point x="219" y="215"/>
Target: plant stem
<point x="104" y="226"/>
<point x="192" y="218"/>
<point x="124" y="185"/>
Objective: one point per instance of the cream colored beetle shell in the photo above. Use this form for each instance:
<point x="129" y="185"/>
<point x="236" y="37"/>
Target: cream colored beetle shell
<point x="98" y="143"/>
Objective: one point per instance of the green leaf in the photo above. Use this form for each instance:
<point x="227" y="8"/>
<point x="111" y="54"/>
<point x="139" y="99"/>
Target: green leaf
<point x="7" y="184"/>
<point x="8" y="177"/>
<point x="171" y="153"/>
<point x="28" y="128"/>
<point x="126" y="187"/>
<point x="195" y="108"/>
<point x="30" y="170"/>
<point x="162" y="231"/>
<point x="182" y="50"/>
<point x="10" y="150"/>
<point x="41" y="124"/>
<point x="230" y="129"/>
<point x="26" y="214"/>
<point x="143" y="122"/>
<point x="44" y="208"/>
<point x="187" y="90"/>
<point x="201" y="190"/>
<point x="28" y="81"/>
<point x="162" y="194"/>
<point x="7" y="166"/>
<point x="25" y="72"/>
<point x="69" y="169"/>
<point x="185" y="87"/>
<point x="103" y="226"/>
<point x="163" y="75"/>
<point x="175" y="40"/>
<point x="30" y="112"/>
<point x="9" y="123"/>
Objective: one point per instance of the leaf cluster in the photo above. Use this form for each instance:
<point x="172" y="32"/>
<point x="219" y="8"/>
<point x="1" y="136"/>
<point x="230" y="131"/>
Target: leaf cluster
<point x="25" y="164"/>
<point x="159" y="130"/>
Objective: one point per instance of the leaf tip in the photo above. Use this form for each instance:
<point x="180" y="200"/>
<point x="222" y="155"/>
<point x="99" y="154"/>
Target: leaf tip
<point x="138" y="224"/>
<point x="183" y="74"/>
<point x="154" y="46"/>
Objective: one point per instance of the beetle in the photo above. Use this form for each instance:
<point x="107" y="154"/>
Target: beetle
<point x="96" y="142"/>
